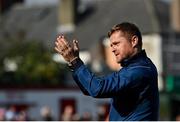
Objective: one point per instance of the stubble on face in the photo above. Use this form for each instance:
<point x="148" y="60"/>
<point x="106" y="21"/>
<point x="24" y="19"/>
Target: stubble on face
<point x="121" y="46"/>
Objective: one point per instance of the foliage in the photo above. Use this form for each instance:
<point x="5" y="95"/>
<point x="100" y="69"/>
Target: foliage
<point x="35" y="65"/>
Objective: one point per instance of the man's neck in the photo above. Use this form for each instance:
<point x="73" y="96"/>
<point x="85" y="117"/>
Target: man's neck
<point x="136" y="51"/>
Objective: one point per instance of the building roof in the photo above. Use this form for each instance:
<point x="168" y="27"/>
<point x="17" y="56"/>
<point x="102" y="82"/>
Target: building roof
<point x="162" y="10"/>
<point x="40" y="23"/>
<point x="111" y="12"/>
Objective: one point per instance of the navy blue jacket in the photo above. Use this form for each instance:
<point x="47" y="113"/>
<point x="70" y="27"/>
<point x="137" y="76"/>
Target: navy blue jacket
<point x="133" y="89"/>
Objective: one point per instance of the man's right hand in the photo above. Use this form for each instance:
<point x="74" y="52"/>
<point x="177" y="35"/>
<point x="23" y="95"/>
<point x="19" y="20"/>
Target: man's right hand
<point x="68" y="52"/>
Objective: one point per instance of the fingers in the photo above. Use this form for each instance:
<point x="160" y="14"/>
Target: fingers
<point x="63" y="47"/>
<point x="62" y="41"/>
<point x="75" y="45"/>
<point x="61" y="44"/>
<point x="57" y="49"/>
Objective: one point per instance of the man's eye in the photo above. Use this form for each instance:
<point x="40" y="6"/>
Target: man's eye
<point x="116" y="43"/>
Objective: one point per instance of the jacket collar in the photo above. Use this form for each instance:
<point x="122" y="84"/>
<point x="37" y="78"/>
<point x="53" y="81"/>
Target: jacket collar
<point x="139" y="55"/>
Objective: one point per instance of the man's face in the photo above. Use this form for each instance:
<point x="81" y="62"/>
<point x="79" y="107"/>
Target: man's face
<point x="121" y="46"/>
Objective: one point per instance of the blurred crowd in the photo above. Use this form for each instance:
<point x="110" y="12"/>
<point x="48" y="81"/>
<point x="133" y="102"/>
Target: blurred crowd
<point x="10" y="114"/>
<point x="68" y="114"/>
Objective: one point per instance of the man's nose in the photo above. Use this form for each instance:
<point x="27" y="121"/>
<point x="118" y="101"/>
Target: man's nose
<point x="113" y="49"/>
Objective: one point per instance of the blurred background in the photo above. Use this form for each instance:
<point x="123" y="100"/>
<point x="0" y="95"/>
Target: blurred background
<point x="35" y="82"/>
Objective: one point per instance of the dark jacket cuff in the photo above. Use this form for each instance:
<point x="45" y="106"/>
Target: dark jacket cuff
<point x="75" y="64"/>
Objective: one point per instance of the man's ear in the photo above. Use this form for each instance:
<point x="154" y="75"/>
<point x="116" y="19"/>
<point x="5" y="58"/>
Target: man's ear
<point x="134" y="41"/>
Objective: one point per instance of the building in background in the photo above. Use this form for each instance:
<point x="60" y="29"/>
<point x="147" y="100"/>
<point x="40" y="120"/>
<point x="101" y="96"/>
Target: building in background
<point x="88" y="20"/>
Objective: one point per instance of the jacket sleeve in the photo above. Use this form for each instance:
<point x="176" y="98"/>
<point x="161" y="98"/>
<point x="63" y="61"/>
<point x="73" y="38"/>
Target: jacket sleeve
<point x="99" y="87"/>
<point x="73" y="66"/>
<point x="85" y="92"/>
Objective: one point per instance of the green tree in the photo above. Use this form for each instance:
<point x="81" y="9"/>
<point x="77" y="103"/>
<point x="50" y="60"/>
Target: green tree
<point x="35" y="65"/>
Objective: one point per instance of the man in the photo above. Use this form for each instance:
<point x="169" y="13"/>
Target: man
<point x="133" y="89"/>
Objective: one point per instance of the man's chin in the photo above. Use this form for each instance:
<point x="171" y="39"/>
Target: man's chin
<point x="118" y="61"/>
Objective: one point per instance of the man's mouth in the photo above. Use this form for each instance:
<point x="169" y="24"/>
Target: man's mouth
<point x="116" y="55"/>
